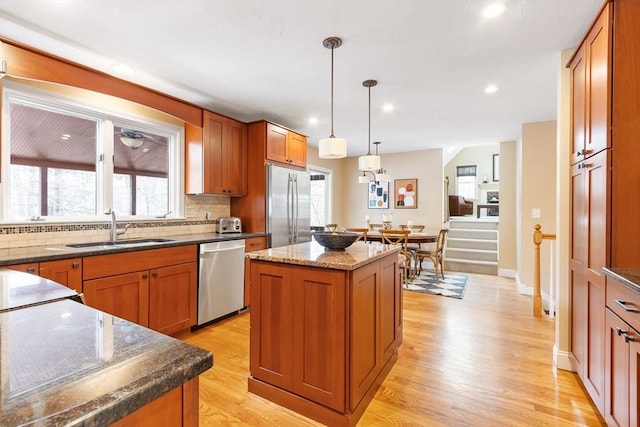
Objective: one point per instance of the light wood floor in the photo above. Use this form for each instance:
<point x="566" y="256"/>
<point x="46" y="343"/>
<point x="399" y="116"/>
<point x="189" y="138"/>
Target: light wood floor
<point x="480" y="361"/>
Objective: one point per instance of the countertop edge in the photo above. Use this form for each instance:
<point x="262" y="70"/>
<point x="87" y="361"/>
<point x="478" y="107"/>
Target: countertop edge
<point x="630" y="277"/>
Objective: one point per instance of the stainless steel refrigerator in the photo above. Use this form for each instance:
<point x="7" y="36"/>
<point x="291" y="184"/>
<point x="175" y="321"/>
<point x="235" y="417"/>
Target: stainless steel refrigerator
<point x="288" y="206"/>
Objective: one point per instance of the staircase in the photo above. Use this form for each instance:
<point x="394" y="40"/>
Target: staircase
<point x="472" y="246"/>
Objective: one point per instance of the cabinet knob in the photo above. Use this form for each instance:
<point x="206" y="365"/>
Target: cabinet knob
<point x="145" y="276"/>
<point x="31" y="270"/>
<point x="155" y="275"/>
<point x="75" y="265"/>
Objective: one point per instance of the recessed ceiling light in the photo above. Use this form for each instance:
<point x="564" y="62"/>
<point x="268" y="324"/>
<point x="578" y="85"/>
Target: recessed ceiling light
<point x="65" y="136"/>
<point x="491" y="89"/>
<point x="122" y="69"/>
<point x="313" y="120"/>
<point x="493" y="10"/>
<point x="388" y="107"/>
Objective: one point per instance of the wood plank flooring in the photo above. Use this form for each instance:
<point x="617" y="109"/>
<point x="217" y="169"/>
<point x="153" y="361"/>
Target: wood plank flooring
<point x="480" y="361"/>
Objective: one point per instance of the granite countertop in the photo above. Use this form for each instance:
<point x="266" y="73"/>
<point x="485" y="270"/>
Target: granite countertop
<point x="18" y="289"/>
<point x="55" y="252"/>
<point x="313" y="255"/>
<point x="630" y="277"/>
<point x="63" y="363"/>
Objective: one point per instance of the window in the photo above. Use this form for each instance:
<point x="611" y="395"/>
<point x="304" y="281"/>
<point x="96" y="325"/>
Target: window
<point x="65" y="159"/>
<point x="320" y="196"/>
<point x="466" y="181"/>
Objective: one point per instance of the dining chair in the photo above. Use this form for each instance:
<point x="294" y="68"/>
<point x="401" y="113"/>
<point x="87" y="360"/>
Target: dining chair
<point x="414" y="227"/>
<point x="362" y="231"/>
<point x="331" y="227"/>
<point x="436" y="255"/>
<point x="375" y="226"/>
<point x="400" y="237"/>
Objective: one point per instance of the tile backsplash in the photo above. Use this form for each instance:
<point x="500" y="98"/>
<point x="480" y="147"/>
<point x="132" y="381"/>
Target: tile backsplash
<point x="201" y="213"/>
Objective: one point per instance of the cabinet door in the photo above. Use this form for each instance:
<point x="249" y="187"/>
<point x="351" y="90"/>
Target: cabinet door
<point x="296" y="149"/>
<point x="252" y="244"/>
<point x="365" y="354"/>
<point x="318" y="308"/>
<point x="67" y="272"/>
<point x="235" y="158"/>
<point x="30" y="267"/>
<point x="617" y="409"/>
<point x="578" y="105"/>
<point x="390" y="307"/>
<point x="598" y="98"/>
<point x="213" y="134"/>
<point x="271" y="325"/>
<point x="276" y="143"/>
<point x="172" y="298"/>
<point x="577" y="287"/>
<point x="125" y="296"/>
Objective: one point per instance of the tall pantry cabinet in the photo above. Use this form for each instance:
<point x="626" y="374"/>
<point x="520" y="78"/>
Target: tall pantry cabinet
<point x="605" y="179"/>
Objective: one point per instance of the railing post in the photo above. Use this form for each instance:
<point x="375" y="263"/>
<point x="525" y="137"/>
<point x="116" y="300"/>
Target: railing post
<point x="538" y="236"/>
<point x="537" y="295"/>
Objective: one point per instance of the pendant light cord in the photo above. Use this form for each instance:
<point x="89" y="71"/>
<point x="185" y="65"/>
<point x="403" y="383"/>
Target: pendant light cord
<point x="332" y="48"/>
<point x="369" y="146"/>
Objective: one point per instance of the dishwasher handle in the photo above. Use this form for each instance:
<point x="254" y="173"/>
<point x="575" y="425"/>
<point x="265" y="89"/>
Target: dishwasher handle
<point x="214" y="251"/>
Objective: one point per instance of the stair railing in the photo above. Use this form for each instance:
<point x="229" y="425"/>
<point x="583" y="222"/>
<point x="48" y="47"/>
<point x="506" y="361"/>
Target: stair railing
<point x="538" y="236"/>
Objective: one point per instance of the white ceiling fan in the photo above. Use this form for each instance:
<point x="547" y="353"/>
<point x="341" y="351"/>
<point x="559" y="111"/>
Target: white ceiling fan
<point x="134" y="139"/>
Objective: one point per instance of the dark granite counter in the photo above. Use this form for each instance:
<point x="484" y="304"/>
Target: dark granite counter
<point x="629" y="277"/>
<point x="51" y="252"/>
<point x="19" y="290"/>
<point x="63" y="363"/>
<point x="313" y="255"/>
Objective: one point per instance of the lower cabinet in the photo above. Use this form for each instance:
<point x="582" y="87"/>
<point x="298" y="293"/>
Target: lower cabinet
<point x="156" y="288"/>
<point x="322" y="339"/>
<point x="622" y="352"/>
<point x="67" y="272"/>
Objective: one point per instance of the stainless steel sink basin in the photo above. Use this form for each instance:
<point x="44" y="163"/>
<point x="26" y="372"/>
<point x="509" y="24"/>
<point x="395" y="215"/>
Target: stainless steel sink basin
<point x="118" y="243"/>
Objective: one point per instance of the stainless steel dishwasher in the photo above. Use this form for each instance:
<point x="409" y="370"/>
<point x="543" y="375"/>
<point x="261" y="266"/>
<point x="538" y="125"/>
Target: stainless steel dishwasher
<point x="221" y="280"/>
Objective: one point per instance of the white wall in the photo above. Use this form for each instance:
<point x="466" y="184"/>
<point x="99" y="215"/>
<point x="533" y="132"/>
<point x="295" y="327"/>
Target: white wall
<point x="426" y="166"/>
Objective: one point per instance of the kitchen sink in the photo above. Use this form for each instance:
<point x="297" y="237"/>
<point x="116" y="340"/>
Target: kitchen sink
<point x="118" y="243"/>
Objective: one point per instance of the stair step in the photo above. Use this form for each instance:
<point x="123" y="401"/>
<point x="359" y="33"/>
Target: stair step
<point x="476" y="224"/>
<point x="455" y="242"/>
<point x="471" y="254"/>
<point x="461" y="233"/>
<point x="470" y="261"/>
<point x="466" y="266"/>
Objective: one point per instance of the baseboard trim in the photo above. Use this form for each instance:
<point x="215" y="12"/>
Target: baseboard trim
<point x="562" y="360"/>
<point x="504" y="272"/>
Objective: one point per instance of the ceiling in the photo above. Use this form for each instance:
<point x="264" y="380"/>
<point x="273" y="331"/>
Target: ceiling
<point x="264" y="59"/>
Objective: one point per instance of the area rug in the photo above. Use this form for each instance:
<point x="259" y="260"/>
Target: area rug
<point x="453" y="285"/>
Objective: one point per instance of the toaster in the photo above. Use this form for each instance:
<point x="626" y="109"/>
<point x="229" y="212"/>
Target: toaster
<point x="229" y="225"/>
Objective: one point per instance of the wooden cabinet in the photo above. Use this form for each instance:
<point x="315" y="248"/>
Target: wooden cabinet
<point x="322" y="339"/>
<point x="285" y="146"/>
<point x="250" y="245"/>
<point x="216" y="157"/>
<point x="622" y="356"/>
<point x="591" y="90"/>
<point x="67" y="272"/>
<point x="268" y="143"/>
<point x="155" y="288"/>
<point x="589" y="253"/>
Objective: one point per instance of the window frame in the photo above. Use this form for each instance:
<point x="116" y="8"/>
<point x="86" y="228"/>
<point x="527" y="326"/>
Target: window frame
<point x="105" y="116"/>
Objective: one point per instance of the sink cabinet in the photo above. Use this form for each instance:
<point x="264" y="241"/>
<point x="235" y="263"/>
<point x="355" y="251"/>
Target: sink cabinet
<point x="156" y="288"/>
<point x="216" y="157"/>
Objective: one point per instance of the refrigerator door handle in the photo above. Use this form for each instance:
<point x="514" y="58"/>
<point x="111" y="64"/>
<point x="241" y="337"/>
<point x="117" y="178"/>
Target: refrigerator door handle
<point x="295" y="213"/>
<point x="289" y="207"/>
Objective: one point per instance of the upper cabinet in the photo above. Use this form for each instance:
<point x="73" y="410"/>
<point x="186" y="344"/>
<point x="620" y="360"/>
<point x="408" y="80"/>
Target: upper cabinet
<point x="285" y="146"/>
<point x="216" y="157"/>
<point x="591" y="91"/>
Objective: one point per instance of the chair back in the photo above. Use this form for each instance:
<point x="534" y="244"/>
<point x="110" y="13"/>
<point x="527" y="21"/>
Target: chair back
<point x="376" y="226"/>
<point x="362" y="231"/>
<point x="331" y="227"/>
<point x="414" y="227"/>
<point x="442" y="237"/>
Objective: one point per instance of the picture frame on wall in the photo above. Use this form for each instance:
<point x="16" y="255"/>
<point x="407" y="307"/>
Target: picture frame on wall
<point x="406" y="193"/>
<point x="378" y="195"/>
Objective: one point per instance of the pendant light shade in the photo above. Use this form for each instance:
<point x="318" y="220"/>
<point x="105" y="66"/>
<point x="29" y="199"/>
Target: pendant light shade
<point x="332" y="147"/>
<point x="132" y="143"/>
<point x="363" y="179"/>
<point x="369" y="162"/>
<point x="381" y="174"/>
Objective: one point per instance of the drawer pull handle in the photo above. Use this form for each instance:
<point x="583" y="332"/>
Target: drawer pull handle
<point x="624" y="305"/>
<point x="628" y="338"/>
<point x="620" y="331"/>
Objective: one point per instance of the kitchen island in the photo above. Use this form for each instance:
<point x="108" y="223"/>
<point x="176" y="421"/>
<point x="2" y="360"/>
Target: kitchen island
<point x="325" y="327"/>
<point x="63" y="363"/>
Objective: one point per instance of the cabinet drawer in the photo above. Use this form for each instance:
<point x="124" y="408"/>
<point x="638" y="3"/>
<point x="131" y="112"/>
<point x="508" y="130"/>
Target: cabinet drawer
<point x="255" y="244"/>
<point x="624" y="302"/>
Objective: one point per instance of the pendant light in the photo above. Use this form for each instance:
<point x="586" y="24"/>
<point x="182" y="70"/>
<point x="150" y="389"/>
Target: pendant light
<point x="381" y="174"/>
<point x="332" y="147"/>
<point x="369" y="162"/>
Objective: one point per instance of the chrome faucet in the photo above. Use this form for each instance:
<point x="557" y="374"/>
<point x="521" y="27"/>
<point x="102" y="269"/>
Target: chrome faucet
<point x="114" y="231"/>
